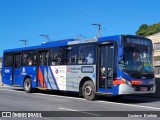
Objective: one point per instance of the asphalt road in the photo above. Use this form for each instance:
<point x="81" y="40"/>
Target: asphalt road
<point x="15" y="99"/>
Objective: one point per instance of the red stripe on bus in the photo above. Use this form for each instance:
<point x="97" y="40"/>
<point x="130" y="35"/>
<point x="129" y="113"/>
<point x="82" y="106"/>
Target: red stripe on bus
<point x="41" y="79"/>
<point x="136" y="82"/>
<point x="118" y="82"/>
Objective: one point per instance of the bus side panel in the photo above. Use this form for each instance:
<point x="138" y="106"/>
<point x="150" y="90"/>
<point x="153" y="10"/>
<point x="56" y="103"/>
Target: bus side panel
<point x="28" y="71"/>
<point x="57" y="77"/>
<point x="52" y="77"/>
<point x="41" y="77"/>
<point x="68" y="78"/>
<point x="17" y="76"/>
<point x="75" y="73"/>
<point x="45" y="77"/>
<point x="7" y="75"/>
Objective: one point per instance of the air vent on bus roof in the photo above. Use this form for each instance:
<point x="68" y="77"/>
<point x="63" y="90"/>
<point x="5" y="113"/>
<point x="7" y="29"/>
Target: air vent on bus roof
<point x="59" y="41"/>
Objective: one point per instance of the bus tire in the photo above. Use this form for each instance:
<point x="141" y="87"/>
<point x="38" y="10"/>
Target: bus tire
<point x="88" y="90"/>
<point x="28" y="85"/>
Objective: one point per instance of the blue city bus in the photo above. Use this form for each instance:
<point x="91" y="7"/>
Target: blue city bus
<point x="114" y="65"/>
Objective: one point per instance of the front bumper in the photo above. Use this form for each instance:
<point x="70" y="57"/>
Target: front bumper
<point x="138" y="89"/>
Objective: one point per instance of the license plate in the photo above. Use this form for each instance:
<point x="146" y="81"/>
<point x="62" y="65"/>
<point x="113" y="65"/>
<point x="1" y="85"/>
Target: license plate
<point x="143" y="88"/>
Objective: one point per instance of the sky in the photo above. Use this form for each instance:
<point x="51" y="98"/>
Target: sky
<point x="64" y="19"/>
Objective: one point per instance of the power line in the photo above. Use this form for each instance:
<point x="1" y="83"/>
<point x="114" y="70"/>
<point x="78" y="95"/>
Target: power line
<point x="120" y="21"/>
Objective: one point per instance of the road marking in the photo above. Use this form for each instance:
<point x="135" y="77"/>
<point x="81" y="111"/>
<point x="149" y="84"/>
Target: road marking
<point x="5" y="86"/>
<point x="140" y="106"/>
<point x="130" y="105"/>
<point x="44" y="94"/>
<point x="58" y="96"/>
<point x="66" y="109"/>
<point x="79" y="111"/>
<point x="11" y="90"/>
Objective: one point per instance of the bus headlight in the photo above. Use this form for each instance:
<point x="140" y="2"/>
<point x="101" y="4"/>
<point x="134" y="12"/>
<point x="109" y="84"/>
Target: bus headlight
<point x="127" y="81"/>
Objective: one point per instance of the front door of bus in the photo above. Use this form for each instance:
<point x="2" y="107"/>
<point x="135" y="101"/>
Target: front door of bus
<point x="42" y="74"/>
<point x="106" y="65"/>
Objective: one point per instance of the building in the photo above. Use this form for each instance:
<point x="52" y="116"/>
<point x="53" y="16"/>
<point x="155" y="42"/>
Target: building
<point x="156" y="44"/>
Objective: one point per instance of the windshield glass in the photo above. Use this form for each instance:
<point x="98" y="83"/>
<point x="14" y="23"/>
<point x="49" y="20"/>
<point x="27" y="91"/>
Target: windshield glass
<point x="137" y="59"/>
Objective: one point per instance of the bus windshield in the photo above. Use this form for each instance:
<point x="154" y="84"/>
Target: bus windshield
<point x="137" y="59"/>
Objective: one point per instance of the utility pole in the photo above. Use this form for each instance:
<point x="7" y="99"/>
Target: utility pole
<point x="46" y="36"/>
<point x="99" y="29"/>
<point x="78" y="36"/>
<point x="25" y="42"/>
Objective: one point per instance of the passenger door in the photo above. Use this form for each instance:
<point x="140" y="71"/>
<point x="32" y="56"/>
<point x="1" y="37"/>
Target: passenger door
<point x="42" y="73"/>
<point x="106" y="60"/>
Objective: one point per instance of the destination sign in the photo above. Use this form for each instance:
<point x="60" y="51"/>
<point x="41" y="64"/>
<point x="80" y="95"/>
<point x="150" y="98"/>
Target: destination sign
<point x="140" y="41"/>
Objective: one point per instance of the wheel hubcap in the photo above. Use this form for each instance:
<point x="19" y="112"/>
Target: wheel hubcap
<point x="88" y="90"/>
<point x="27" y="86"/>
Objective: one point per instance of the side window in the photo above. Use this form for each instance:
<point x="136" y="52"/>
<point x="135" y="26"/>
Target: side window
<point x="29" y="58"/>
<point x="43" y="58"/>
<point x="87" y="54"/>
<point x="8" y="59"/>
<point x="72" y="54"/>
<point x="56" y="56"/>
<point x="17" y="60"/>
<point x="82" y="55"/>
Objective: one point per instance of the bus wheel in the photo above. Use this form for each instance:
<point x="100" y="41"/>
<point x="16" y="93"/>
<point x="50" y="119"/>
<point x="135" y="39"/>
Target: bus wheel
<point x="88" y="90"/>
<point x="28" y="85"/>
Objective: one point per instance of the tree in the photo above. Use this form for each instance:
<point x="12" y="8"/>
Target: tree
<point x="146" y="30"/>
<point x="142" y="29"/>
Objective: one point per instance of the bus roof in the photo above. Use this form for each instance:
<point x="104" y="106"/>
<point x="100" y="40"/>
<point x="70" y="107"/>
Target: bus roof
<point x="69" y="42"/>
<point x="43" y="45"/>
